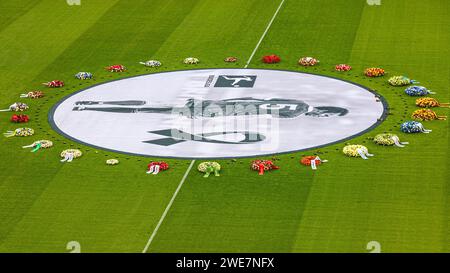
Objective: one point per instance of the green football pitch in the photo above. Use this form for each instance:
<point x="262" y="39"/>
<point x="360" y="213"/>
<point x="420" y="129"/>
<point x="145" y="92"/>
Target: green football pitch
<point x="399" y="198"/>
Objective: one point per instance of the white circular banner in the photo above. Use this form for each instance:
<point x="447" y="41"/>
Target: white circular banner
<point x="217" y="113"/>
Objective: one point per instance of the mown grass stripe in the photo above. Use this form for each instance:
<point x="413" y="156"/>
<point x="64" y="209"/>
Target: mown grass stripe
<point x="163" y="216"/>
<point x="264" y="34"/>
<point x="193" y="161"/>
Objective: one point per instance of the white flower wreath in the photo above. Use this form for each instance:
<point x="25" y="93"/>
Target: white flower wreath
<point x="191" y="60"/>
<point x="112" y="161"/>
<point x="151" y="63"/>
<point x="76" y="153"/>
<point x="20" y="132"/>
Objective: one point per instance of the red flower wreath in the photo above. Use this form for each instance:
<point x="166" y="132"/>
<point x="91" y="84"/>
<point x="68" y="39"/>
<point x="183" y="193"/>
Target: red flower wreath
<point x="162" y="165"/>
<point x="271" y="59"/>
<point x="343" y="67"/>
<point x="54" y="84"/>
<point x="262" y="165"/>
<point x="306" y="160"/>
<point x="116" y="68"/>
<point x="20" y="118"/>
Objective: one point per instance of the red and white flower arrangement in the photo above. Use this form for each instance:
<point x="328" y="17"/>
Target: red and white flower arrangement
<point x="308" y="61"/>
<point x="342" y="67"/>
<point x="16" y="107"/>
<point x="262" y="165"/>
<point x="230" y="59"/>
<point x="116" y="68"/>
<point x="155" y="167"/>
<point x="33" y="95"/>
<point x="54" y="84"/>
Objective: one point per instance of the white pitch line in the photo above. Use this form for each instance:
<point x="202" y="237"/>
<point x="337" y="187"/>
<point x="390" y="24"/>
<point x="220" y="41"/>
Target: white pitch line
<point x="163" y="216"/>
<point x="264" y="34"/>
<point x="168" y="207"/>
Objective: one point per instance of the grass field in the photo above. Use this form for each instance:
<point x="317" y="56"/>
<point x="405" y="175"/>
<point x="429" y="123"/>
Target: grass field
<point x="399" y="198"/>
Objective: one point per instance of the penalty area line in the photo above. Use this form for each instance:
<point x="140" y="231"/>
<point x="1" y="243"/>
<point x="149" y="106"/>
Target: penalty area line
<point x="163" y="216"/>
<point x="161" y="220"/>
<point x="264" y="34"/>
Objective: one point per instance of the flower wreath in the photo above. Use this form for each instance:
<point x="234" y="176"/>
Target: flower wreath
<point x="70" y="154"/>
<point x="416" y="90"/>
<point x="112" y="161"/>
<point x="20" y="118"/>
<point x="155" y="167"/>
<point x="209" y="167"/>
<point x="400" y="81"/>
<point x="191" y="60"/>
<point x="374" y="72"/>
<point x="356" y="151"/>
<point x="230" y="59"/>
<point x="309" y="159"/>
<point x="16" y="107"/>
<point x="116" y="68"/>
<point x="33" y="95"/>
<point x="308" y="61"/>
<point x="54" y="84"/>
<point x="410" y="127"/>
<point x="430" y="102"/>
<point x="262" y="165"/>
<point x="162" y="165"/>
<point x="388" y="140"/>
<point x="343" y="67"/>
<point x="384" y="139"/>
<point x="268" y="165"/>
<point x="84" y="75"/>
<point x="75" y="152"/>
<point x="306" y="160"/>
<point x="45" y="144"/>
<point x="202" y="167"/>
<point x="151" y="63"/>
<point x="271" y="59"/>
<point x="20" y="132"/>
<point x="426" y="114"/>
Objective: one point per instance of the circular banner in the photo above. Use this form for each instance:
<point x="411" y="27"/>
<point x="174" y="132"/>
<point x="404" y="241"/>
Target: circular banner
<point x="217" y="113"/>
